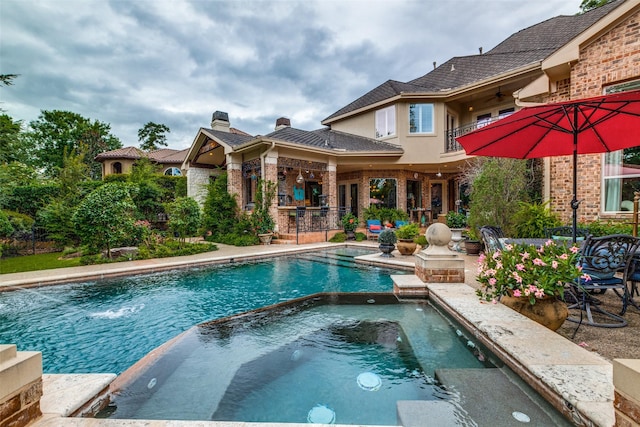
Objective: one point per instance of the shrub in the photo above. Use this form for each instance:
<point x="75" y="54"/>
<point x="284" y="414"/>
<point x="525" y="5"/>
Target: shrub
<point x="408" y="231"/>
<point x="340" y="237"/>
<point x="531" y="219"/>
<point x="456" y="220"/>
<point x="600" y="228"/>
<point x="387" y="237"/>
<point x="184" y="217"/>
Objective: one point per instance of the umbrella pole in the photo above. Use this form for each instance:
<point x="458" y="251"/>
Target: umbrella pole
<point x="574" y="202"/>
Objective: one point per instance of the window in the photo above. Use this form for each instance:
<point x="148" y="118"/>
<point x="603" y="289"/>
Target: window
<point x="621" y="178"/>
<point x="420" y="118"/>
<point x="116" y="167"/>
<point x="383" y="192"/>
<point x="506" y="112"/>
<point x="621" y="169"/>
<point x="173" y="172"/>
<point x="483" y="120"/>
<point x="386" y="122"/>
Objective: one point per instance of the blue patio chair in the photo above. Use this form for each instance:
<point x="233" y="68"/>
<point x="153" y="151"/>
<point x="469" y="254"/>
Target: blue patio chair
<point x="606" y="261"/>
<point x="401" y="223"/>
<point x="374" y="227"/>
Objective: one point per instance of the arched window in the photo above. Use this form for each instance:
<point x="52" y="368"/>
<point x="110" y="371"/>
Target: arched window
<point x="173" y="172"/>
<point x="116" y="167"/>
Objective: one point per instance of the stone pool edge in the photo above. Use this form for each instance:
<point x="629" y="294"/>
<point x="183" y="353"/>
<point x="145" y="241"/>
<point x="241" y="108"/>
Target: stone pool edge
<point x="579" y="383"/>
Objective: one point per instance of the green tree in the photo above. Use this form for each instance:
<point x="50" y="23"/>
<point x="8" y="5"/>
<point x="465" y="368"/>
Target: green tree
<point x="152" y="135"/>
<point x="220" y="209"/>
<point x="587" y="5"/>
<point x="184" y="217"/>
<point x="13" y="147"/>
<point x="57" y="132"/>
<point x="7" y="79"/>
<point x="106" y="217"/>
<point x="498" y="185"/>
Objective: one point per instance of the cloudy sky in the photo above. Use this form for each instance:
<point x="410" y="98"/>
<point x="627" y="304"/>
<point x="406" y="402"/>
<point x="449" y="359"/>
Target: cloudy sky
<point x="129" y="62"/>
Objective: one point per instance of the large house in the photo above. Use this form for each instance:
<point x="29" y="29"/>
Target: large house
<point x="395" y="145"/>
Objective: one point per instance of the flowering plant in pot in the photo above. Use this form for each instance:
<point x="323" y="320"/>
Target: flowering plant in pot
<point x="524" y="276"/>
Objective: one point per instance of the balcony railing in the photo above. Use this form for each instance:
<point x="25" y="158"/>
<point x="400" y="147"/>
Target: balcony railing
<point x="451" y="145"/>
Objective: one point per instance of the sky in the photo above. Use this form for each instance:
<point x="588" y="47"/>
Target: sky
<point x="175" y="62"/>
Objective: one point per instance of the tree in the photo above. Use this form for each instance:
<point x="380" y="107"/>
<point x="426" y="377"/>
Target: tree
<point x="7" y="79"/>
<point x="498" y="185"/>
<point x="13" y="147"/>
<point x="184" y="217"/>
<point x="105" y="218"/>
<point x="152" y="135"/>
<point x="57" y="132"/>
<point x="588" y="5"/>
<point x="220" y="209"/>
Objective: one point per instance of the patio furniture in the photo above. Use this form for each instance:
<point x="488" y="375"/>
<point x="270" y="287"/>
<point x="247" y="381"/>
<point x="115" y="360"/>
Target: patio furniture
<point x="374" y="227"/>
<point x="604" y="260"/>
<point x="399" y="224"/>
<point x="565" y="233"/>
<point x="491" y="236"/>
<point x="633" y="277"/>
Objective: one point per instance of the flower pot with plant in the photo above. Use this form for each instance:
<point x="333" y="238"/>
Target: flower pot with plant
<point x="406" y="235"/>
<point x="530" y="280"/>
<point x="349" y="224"/>
<point x="387" y="243"/>
<point x="473" y="244"/>
<point x="456" y="222"/>
<point x="261" y="219"/>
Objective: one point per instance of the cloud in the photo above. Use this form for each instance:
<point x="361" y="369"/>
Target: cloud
<point x="175" y="62"/>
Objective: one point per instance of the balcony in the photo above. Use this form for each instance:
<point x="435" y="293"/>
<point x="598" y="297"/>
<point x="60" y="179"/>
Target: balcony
<point x="451" y="145"/>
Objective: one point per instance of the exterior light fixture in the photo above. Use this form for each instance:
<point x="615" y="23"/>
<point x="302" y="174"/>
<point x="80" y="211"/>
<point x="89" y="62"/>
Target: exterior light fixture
<point x="300" y="178"/>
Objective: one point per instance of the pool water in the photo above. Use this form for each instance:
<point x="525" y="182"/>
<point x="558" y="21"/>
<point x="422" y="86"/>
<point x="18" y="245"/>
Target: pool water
<point x="106" y="326"/>
<point x="347" y="363"/>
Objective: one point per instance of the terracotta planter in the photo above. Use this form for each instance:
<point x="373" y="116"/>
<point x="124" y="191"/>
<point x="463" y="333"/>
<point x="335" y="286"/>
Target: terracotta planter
<point x="549" y="312"/>
<point x="265" y="239"/>
<point x="473" y="247"/>
<point x="406" y="246"/>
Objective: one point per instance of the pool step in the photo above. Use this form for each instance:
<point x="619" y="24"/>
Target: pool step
<point x="490" y="398"/>
<point x="421" y="413"/>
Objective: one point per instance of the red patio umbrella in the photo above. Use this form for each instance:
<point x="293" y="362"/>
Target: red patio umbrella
<point x="585" y="126"/>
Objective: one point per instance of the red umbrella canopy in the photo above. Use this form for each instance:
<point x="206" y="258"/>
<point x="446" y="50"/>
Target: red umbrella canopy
<point x="592" y="125"/>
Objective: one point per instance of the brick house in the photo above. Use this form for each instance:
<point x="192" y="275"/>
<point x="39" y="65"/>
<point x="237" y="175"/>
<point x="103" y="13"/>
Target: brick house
<point x="395" y="145"/>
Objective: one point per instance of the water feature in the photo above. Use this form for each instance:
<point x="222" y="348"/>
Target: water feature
<point x="106" y="326"/>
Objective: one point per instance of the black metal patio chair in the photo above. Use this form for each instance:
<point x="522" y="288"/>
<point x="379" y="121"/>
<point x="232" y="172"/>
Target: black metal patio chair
<point x="605" y="260"/>
<point x="491" y="237"/>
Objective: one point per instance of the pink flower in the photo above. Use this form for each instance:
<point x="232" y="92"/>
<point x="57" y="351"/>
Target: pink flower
<point x="554" y="264"/>
<point x="517" y="293"/>
<point x="520" y="267"/>
<point x="539" y="293"/>
<point x="574" y="249"/>
<point x="525" y="255"/>
<point x="517" y="277"/>
<point x="492" y="281"/>
<point x="538" y="261"/>
<point x="508" y="247"/>
<point x="564" y="256"/>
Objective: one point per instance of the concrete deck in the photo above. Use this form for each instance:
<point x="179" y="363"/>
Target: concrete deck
<point x="573" y="378"/>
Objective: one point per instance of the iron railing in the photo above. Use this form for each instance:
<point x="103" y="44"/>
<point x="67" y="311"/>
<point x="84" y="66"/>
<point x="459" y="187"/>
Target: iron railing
<point x="452" y="145"/>
<point x="306" y="220"/>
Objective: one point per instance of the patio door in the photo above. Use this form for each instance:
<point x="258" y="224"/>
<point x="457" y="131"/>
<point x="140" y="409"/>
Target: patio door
<point x="354" y="199"/>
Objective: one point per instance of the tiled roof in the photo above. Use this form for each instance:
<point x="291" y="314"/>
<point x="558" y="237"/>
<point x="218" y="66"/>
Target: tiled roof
<point x="330" y="139"/>
<point x="528" y="46"/>
<point x="163" y="155"/>
<point x="121" y="153"/>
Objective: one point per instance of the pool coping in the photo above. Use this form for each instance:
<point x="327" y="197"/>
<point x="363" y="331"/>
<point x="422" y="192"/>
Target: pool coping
<point x="574" y="379"/>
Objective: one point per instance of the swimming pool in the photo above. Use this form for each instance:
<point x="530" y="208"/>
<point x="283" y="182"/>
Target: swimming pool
<point x="327" y="358"/>
<point x="106" y="326"/>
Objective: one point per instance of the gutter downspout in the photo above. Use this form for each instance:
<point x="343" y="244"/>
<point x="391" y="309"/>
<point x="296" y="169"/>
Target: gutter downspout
<point x="262" y="157"/>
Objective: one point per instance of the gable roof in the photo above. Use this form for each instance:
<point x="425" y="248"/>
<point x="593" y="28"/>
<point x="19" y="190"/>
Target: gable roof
<point x="231" y="139"/>
<point x="328" y="139"/>
<point x="527" y="47"/>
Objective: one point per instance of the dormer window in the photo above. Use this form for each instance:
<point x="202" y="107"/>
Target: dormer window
<point x="421" y="118"/>
<point x="386" y="122"/>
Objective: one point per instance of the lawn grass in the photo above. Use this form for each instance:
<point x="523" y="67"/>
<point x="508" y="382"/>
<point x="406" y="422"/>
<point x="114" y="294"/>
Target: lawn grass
<point x="19" y="264"/>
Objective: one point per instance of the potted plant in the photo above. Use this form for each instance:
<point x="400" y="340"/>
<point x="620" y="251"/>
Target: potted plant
<point x="406" y="235"/>
<point x="473" y="244"/>
<point x="456" y="221"/>
<point x="350" y="223"/>
<point x="263" y="223"/>
<point x="530" y="280"/>
<point x="387" y="242"/>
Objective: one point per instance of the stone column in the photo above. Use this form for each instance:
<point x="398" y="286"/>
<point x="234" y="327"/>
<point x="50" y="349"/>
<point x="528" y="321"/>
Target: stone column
<point x="20" y="386"/>
<point x="437" y="263"/>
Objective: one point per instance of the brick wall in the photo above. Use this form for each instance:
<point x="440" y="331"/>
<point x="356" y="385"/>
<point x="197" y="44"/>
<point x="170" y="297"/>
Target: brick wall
<point x="613" y="58"/>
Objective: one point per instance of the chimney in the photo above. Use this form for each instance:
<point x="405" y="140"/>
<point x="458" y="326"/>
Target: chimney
<point x="480" y="49"/>
<point x="220" y="121"/>
<point x="283" y="122"/>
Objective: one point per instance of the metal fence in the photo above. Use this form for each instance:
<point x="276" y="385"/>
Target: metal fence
<point x="315" y="219"/>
